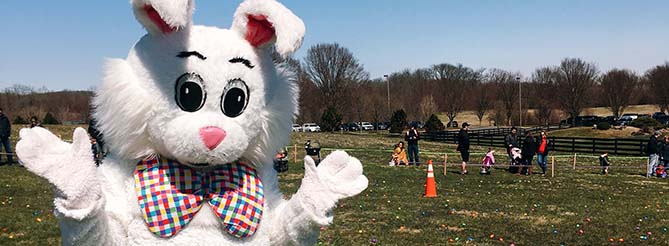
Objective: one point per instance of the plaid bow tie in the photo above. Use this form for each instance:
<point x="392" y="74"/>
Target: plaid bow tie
<point x="170" y="194"/>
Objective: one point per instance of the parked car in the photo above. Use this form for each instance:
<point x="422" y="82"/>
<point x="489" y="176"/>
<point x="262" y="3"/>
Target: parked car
<point x="626" y="119"/>
<point x="352" y="127"/>
<point x="417" y="124"/>
<point x="311" y="127"/>
<point x="381" y="126"/>
<point x="588" y="120"/>
<point x="664" y="119"/>
<point x="609" y="119"/>
<point x="297" y="128"/>
<point x="452" y="124"/>
<point x="366" y="126"/>
<point x="657" y="115"/>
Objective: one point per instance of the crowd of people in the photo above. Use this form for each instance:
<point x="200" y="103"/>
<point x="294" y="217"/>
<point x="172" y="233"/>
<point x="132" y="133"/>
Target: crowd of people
<point x="521" y="156"/>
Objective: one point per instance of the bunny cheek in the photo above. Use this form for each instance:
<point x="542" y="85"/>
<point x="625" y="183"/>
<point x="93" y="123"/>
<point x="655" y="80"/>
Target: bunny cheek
<point x="183" y="138"/>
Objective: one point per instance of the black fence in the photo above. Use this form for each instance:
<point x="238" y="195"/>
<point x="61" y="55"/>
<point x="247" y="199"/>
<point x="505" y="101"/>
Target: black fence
<point x="495" y="138"/>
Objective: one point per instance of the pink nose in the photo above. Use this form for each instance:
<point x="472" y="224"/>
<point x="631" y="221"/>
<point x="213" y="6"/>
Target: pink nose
<point x="212" y="136"/>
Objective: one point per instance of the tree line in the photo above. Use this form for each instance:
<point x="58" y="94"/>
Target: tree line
<point x="22" y="102"/>
<point x="335" y="88"/>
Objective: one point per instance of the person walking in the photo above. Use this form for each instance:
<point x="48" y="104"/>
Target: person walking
<point x="664" y="152"/>
<point x="542" y="151"/>
<point x="529" y="150"/>
<point x="5" y="133"/>
<point x="412" y="138"/>
<point x="653" y="157"/>
<point x="511" y="141"/>
<point x="463" y="146"/>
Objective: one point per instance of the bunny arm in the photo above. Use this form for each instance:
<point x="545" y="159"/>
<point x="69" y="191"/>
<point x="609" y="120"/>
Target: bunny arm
<point x="298" y="220"/>
<point x="70" y="168"/>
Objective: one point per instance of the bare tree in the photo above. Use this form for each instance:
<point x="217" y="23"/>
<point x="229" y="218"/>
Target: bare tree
<point x="574" y="80"/>
<point x="658" y="81"/>
<point x="618" y="88"/>
<point x="455" y="83"/>
<point x="543" y="80"/>
<point x="484" y="100"/>
<point x="507" y="90"/>
<point x="427" y="107"/>
<point x="333" y="69"/>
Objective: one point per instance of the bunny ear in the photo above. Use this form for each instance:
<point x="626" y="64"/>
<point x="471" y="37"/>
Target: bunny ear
<point x="266" y="22"/>
<point x="163" y="16"/>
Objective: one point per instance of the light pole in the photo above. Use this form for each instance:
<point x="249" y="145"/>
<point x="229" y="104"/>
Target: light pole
<point x="520" y="101"/>
<point x="385" y="76"/>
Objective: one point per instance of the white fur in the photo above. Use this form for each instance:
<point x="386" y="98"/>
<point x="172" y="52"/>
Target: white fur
<point x="138" y="116"/>
<point x="289" y="28"/>
<point x="176" y="13"/>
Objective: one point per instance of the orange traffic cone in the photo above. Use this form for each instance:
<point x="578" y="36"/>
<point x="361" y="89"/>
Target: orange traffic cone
<point x="430" y="186"/>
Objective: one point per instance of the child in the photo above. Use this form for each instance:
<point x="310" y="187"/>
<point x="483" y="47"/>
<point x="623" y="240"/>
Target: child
<point x="488" y="161"/>
<point x="660" y="172"/>
<point x="516" y="157"/>
<point x="604" y="162"/>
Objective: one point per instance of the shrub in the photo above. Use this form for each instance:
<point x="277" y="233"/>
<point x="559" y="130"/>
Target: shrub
<point x="647" y="123"/>
<point x="433" y="124"/>
<point x="20" y="121"/>
<point x="330" y="119"/>
<point x="603" y="126"/>
<point x="398" y="121"/>
<point x="49" y="119"/>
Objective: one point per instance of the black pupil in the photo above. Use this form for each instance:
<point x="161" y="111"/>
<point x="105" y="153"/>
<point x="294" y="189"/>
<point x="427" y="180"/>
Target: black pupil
<point x="190" y="96"/>
<point x="234" y="102"/>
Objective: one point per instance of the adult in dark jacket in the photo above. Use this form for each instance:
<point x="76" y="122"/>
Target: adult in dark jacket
<point x="412" y="138"/>
<point x="543" y="144"/>
<point x="5" y="133"/>
<point x="529" y="150"/>
<point x="95" y="133"/>
<point x="511" y="141"/>
<point x="664" y="152"/>
<point x="463" y="146"/>
<point x="653" y="156"/>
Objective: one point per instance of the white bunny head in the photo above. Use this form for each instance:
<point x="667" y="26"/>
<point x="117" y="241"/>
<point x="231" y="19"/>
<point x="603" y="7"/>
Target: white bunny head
<point x="201" y="95"/>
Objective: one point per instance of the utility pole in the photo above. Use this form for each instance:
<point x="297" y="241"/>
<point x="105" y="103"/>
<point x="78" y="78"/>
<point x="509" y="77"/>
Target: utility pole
<point x="520" y="101"/>
<point x="385" y="76"/>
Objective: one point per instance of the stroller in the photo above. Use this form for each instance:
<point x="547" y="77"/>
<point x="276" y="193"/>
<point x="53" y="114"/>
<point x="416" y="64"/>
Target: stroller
<point x="281" y="161"/>
<point x="516" y="160"/>
<point x="488" y="161"/>
<point x="313" y="150"/>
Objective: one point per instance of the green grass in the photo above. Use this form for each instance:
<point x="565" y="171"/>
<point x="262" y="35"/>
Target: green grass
<point x="469" y="209"/>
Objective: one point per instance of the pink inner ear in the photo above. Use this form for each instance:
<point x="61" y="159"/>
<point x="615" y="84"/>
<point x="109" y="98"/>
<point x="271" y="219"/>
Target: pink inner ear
<point x="156" y="19"/>
<point x="259" y="30"/>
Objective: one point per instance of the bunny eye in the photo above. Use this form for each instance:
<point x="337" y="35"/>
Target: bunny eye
<point x="189" y="93"/>
<point x="235" y="98"/>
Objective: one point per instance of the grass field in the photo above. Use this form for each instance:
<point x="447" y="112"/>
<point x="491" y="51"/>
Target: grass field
<point x="577" y="207"/>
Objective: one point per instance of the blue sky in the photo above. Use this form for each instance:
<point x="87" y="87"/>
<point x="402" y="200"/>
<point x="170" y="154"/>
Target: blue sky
<point x="62" y="44"/>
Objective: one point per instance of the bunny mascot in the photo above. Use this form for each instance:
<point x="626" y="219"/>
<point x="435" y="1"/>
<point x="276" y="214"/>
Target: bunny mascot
<point x="192" y="118"/>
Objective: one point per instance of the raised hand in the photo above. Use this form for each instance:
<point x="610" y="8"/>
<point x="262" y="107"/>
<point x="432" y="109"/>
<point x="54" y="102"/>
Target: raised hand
<point x="70" y="167"/>
<point x="338" y="176"/>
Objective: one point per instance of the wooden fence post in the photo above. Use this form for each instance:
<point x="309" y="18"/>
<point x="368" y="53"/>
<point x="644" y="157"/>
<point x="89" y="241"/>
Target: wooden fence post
<point x="445" y="163"/>
<point x="647" y="167"/>
<point x="295" y="153"/>
<point x="552" y="166"/>
<point x="574" y="161"/>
